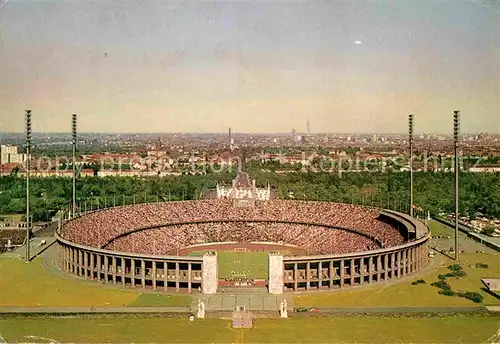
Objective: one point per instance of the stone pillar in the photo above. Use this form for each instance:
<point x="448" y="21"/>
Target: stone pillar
<point x="276" y="273"/>
<point x="189" y="277"/>
<point x="99" y="267"/>
<point x="370" y="269"/>
<point x="209" y="273"/>
<point x="68" y="259"/>
<point x="320" y="274"/>
<point x="342" y="273"/>
<point x="64" y="265"/>
<point x="393" y="264"/>
<point x="143" y="273"/>
<point x="123" y="264"/>
<point x="75" y="261"/>
<point x="331" y="274"/>
<point x="114" y="269"/>
<point x="413" y="260"/>
<point x="92" y="264"/>
<point x="405" y="260"/>
<point x="353" y="272"/>
<point x="86" y="264"/>
<point x="154" y="274"/>
<point x="295" y="276"/>
<point x="308" y="276"/>
<point x="386" y="267"/>
<point x="132" y="271"/>
<point x="80" y="263"/>
<point x="361" y="270"/>
<point x="398" y="264"/>
<point x="379" y="266"/>
<point x="165" y="277"/>
<point x="419" y="258"/>
<point x="106" y="269"/>
<point x="177" y="276"/>
<point x="72" y="261"/>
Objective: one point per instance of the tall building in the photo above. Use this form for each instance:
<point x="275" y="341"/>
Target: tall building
<point x="10" y="155"/>
<point x="308" y="128"/>
<point x="231" y="140"/>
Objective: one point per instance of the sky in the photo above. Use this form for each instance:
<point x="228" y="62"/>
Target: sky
<point x="266" y="66"/>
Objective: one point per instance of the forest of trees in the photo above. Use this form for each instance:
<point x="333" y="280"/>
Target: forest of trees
<point x="480" y="192"/>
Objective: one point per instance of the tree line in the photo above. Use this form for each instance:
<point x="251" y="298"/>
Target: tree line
<point x="434" y="192"/>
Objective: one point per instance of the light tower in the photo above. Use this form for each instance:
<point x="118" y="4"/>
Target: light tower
<point x="73" y="132"/>
<point x="28" y="150"/>
<point x="308" y="128"/>
<point x="410" y="140"/>
<point x="456" y="130"/>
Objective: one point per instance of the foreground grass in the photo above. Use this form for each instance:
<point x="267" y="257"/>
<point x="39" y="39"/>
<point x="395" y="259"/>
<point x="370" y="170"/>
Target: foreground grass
<point x="298" y="329"/>
<point x="30" y="284"/>
<point x="161" y="300"/>
<point x="403" y="293"/>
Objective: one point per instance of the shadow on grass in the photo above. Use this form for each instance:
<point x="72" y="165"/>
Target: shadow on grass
<point x="496" y="296"/>
<point x="443" y="253"/>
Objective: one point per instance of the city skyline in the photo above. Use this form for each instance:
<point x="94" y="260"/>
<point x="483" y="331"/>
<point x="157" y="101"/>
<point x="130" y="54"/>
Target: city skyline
<point x="259" y="67"/>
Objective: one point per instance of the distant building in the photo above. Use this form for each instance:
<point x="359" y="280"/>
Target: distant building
<point x="243" y="191"/>
<point x="491" y="169"/>
<point x="10" y="155"/>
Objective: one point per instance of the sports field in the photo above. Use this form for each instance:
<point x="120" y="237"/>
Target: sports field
<point x="246" y="265"/>
<point x="31" y="284"/>
<point x="243" y="264"/>
<point x="299" y="329"/>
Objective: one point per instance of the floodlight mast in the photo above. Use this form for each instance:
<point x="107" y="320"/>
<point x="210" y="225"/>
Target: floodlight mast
<point x="73" y="131"/>
<point x="456" y="130"/>
<point x="28" y="157"/>
<point x="410" y="141"/>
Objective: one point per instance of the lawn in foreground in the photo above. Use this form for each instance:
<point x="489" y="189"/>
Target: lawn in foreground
<point x="161" y="300"/>
<point x="298" y="329"/>
<point x="31" y="284"/>
<point x="403" y="293"/>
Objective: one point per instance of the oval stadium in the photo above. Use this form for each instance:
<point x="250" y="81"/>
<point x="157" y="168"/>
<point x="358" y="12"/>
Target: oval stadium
<point x="242" y="236"/>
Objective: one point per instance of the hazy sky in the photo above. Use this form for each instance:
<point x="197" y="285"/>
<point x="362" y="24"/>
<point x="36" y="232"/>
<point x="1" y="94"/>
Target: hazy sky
<point x="161" y="66"/>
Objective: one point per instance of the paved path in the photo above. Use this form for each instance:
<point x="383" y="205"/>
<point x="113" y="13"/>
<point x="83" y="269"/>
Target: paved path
<point x="324" y="310"/>
<point x="94" y="310"/>
<point x="36" y="248"/>
<point x="398" y="309"/>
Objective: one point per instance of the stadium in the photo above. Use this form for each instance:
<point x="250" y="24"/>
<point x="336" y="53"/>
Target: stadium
<point x="188" y="246"/>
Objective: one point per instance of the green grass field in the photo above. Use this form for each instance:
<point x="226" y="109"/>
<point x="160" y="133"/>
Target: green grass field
<point x="238" y="264"/>
<point x="403" y="293"/>
<point x="438" y="229"/>
<point x="161" y="300"/>
<point x="31" y="284"/>
<point x="298" y="329"/>
<point x="243" y="264"/>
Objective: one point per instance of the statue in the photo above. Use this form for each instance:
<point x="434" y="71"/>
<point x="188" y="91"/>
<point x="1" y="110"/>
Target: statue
<point x="201" y="309"/>
<point x="284" y="309"/>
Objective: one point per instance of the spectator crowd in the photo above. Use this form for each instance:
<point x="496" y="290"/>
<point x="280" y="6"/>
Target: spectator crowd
<point x="164" y="228"/>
